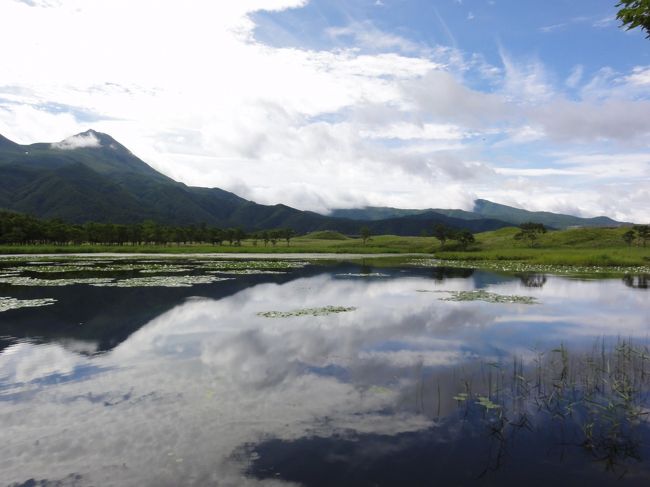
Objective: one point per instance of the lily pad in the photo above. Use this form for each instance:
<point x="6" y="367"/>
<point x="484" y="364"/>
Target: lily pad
<point x="12" y="303"/>
<point x="252" y="264"/>
<point x="488" y="297"/>
<point x="163" y="281"/>
<point x="324" y="311"/>
<point x="368" y="274"/>
<point x="34" y="281"/>
<point x="518" y="266"/>
<point x="246" y="272"/>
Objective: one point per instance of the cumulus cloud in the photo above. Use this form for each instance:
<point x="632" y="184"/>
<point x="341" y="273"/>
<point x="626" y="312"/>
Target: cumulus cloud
<point x="372" y="118"/>
<point x="619" y="120"/>
<point x="77" y="142"/>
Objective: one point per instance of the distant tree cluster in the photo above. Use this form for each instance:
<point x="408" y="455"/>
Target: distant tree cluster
<point x="529" y="232"/>
<point x="19" y="229"/>
<point x="639" y="234"/>
<point x="444" y="233"/>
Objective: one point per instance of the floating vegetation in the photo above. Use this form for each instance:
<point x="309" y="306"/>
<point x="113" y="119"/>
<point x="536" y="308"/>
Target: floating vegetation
<point x="162" y="281"/>
<point x="367" y="274"/>
<point x="9" y="274"/>
<point x="12" y="303"/>
<point x="34" y="281"/>
<point x="246" y="272"/>
<point x="164" y="268"/>
<point x="482" y="295"/>
<point x="92" y="267"/>
<point x="324" y="311"/>
<point x="518" y="266"/>
<point x="252" y="264"/>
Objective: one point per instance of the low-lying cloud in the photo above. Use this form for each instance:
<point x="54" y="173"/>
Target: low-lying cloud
<point x="77" y="142"/>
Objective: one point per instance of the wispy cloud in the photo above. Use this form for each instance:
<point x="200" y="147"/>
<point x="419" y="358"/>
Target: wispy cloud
<point x="553" y="28"/>
<point x="366" y="35"/>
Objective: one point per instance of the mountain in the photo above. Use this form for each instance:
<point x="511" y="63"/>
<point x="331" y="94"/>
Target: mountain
<point x="483" y="209"/>
<point x="488" y="209"/>
<point x="92" y="177"/>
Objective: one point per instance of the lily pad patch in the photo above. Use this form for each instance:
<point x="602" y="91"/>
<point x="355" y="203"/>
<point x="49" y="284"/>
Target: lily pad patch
<point x="323" y="311"/>
<point x="481" y="295"/>
<point x="12" y="303"/>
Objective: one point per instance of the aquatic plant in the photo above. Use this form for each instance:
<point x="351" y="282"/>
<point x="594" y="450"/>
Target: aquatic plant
<point x="246" y="272"/>
<point x="93" y="267"/>
<point x="323" y="311"/>
<point x="367" y="274"/>
<point x="599" y="399"/>
<point x="482" y="295"/>
<point x="519" y="266"/>
<point x="7" y="303"/>
<point x="34" y="281"/>
<point x="162" y="281"/>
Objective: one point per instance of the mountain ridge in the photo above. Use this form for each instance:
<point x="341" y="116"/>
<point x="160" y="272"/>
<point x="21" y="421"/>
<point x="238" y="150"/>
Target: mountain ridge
<point x="483" y="209"/>
<point x="92" y="177"/>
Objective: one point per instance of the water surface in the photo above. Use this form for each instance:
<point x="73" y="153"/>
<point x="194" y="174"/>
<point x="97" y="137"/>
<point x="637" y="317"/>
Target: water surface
<point x="197" y="386"/>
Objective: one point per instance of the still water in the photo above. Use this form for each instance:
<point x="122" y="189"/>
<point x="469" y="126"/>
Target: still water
<point x="200" y="372"/>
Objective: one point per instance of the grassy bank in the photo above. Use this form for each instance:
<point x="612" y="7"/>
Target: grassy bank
<point x="389" y="244"/>
<point x="576" y="247"/>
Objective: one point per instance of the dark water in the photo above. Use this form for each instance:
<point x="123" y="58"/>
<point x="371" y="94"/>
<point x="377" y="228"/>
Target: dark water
<point x="190" y="386"/>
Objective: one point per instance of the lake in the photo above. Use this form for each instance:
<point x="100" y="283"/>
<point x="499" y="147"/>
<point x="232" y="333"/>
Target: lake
<point x="204" y="371"/>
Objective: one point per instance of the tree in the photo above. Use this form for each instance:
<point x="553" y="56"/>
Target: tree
<point x="530" y="232"/>
<point x="634" y="13"/>
<point x="464" y="238"/>
<point x="643" y="232"/>
<point x="628" y="237"/>
<point x="265" y="237"/>
<point x="442" y="233"/>
<point x="365" y="234"/>
<point x="288" y="234"/>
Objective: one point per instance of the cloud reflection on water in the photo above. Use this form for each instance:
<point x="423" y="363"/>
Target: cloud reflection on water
<point x="175" y="401"/>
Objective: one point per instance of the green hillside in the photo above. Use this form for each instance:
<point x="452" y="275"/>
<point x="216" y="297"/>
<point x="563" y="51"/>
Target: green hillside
<point x="488" y="209"/>
<point x="482" y="209"/>
<point x="92" y="177"/>
<point x="572" y="247"/>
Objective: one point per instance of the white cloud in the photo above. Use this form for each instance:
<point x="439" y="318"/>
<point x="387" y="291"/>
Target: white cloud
<point x="575" y="76"/>
<point x="604" y="22"/>
<point x="380" y="119"/>
<point x="526" y="83"/>
<point x="640" y="76"/>
<point x="618" y="120"/>
<point x="368" y="36"/>
<point x="77" y="142"/>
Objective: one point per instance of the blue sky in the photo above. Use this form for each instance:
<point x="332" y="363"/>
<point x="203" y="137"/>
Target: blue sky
<point x="330" y="104"/>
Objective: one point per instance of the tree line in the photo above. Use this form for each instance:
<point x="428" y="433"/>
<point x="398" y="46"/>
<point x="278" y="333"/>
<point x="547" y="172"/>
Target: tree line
<point x="19" y="229"/>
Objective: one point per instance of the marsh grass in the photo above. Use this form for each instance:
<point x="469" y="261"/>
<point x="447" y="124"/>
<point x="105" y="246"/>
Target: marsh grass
<point x="598" y="400"/>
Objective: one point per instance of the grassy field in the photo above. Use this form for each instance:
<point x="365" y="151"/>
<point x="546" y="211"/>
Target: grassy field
<point x="575" y="247"/>
<point x="321" y="242"/>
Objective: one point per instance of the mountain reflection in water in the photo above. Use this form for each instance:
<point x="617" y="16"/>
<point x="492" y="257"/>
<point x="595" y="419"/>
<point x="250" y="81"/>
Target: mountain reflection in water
<point x="193" y="387"/>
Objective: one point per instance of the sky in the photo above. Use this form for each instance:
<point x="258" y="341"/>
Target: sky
<point x="337" y="104"/>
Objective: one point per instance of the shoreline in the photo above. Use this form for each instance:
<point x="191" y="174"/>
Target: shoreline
<point x="223" y="255"/>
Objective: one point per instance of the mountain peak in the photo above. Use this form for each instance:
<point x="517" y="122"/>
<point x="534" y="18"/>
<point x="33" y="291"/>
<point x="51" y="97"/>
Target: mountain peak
<point x="5" y="143"/>
<point x="89" y="139"/>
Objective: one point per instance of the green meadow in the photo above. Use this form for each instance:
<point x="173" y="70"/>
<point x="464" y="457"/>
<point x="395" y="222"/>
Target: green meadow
<point x="574" y="247"/>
